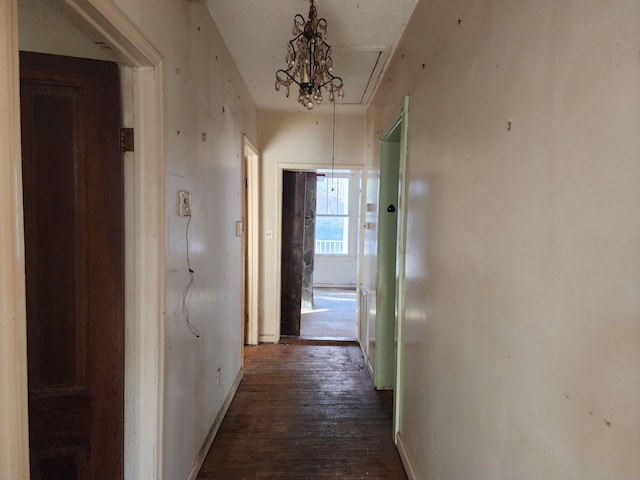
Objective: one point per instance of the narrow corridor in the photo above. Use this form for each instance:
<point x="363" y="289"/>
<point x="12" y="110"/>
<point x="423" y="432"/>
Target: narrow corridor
<point x="305" y="412"/>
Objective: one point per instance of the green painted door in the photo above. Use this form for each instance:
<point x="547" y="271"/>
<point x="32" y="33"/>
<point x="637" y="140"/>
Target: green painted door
<point x="385" y="349"/>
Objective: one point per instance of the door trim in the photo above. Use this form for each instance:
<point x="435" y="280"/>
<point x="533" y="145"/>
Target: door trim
<point x="400" y="120"/>
<point x="277" y="233"/>
<point x="14" y="422"/>
<point x="144" y="243"/>
<point x="251" y="238"/>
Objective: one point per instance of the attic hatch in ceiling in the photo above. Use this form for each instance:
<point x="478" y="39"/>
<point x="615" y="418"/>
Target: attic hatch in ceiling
<point x="360" y="69"/>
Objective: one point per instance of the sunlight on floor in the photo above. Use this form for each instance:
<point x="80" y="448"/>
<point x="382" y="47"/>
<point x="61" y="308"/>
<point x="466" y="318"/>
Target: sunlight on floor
<point x="334" y="314"/>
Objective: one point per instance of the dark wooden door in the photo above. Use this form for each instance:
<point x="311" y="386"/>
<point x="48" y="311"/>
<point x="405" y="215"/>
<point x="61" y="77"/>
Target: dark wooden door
<point x="292" y="261"/>
<point x="74" y="251"/>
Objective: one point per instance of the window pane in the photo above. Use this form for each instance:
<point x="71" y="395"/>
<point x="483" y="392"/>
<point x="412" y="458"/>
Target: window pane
<point x="332" y="196"/>
<point x="321" y="196"/>
<point x="332" y="235"/>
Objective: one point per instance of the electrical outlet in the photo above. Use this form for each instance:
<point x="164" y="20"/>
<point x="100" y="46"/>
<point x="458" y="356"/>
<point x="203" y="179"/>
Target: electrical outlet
<point x="184" y="203"/>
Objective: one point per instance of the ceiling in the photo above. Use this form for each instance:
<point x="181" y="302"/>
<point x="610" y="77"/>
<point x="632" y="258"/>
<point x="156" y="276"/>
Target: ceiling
<point x="362" y="35"/>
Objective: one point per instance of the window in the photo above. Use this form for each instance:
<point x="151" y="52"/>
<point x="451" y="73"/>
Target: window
<point x="333" y="211"/>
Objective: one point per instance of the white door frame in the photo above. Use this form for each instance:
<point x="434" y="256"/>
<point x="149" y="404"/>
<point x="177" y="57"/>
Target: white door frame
<point x="14" y="441"/>
<point x="144" y="243"/>
<point x="251" y="239"/>
<point x="277" y="235"/>
<point x="400" y="120"/>
<point x="401" y="254"/>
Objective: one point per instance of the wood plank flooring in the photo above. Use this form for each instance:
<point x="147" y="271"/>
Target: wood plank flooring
<point x="305" y="412"/>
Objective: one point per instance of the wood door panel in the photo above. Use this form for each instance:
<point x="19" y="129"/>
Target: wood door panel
<point x="74" y="256"/>
<point x="62" y="463"/>
<point x="55" y="212"/>
<point x="71" y="418"/>
<point x="292" y="263"/>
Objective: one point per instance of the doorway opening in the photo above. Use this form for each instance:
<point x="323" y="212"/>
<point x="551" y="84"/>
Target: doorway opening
<point x="250" y="239"/>
<point x="319" y="261"/>
<point x="142" y="90"/>
<point x="391" y="260"/>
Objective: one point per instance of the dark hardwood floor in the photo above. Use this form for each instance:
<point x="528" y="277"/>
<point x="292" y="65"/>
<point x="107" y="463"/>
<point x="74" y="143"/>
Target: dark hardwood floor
<point x="305" y="412"/>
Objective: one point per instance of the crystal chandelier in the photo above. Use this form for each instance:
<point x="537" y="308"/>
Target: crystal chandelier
<point x="309" y="62"/>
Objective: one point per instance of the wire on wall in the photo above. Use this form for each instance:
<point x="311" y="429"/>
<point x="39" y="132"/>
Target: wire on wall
<point x="186" y="294"/>
<point x="333" y="147"/>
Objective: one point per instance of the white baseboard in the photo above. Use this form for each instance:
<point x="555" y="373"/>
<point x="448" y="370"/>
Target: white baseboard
<point x="366" y="360"/>
<point x="343" y="286"/>
<point x="197" y="465"/>
<point x="411" y="474"/>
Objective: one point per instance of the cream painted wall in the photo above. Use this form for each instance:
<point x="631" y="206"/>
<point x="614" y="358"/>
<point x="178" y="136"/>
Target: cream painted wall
<point x="43" y="29"/>
<point x="522" y="333"/>
<point x="335" y="271"/>
<point x="369" y="244"/>
<point x="295" y="141"/>
<point x="207" y="109"/>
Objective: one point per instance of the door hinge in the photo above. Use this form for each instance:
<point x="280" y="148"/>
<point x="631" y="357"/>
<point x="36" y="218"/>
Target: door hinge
<point x="126" y="139"/>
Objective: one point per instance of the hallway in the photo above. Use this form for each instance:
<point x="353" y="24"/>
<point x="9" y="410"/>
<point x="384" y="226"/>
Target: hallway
<point x="305" y="412"/>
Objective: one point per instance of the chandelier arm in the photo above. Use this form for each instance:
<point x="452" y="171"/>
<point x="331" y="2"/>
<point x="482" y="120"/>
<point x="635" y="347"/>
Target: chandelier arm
<point x="295" y="56"/>
<point x="291" y="77"/>
<point x="331" y="81"/>
<point x="293" y="49"/>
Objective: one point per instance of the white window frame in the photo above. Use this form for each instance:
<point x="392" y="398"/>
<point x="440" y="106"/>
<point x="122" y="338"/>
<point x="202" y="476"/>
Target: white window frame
<point x="351" y="215"/>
